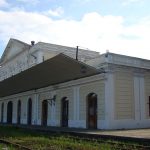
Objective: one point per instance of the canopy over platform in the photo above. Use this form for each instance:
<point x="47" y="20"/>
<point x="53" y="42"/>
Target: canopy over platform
<point x="58" y="69"/>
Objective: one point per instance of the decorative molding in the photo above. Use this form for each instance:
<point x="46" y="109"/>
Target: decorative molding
<point x="128" y="61"/>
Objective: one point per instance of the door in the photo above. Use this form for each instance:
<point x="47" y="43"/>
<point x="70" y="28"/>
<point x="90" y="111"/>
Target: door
<point x="9" y="112"/>
<point x="65" y="112"/>
<point x="29" y="120"/>
<point x="44" y="112"/>
<point x="19" y="112"/>
<point x="92" y="111"/>
<point x="2" y="112"/>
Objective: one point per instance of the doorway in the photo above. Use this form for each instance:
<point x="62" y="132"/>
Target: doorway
<point x="9" y="112"/>
<point x="29" y="112"/>
<point x="44" y="112"/>
<point x="64" y="116"/>
<point x="92" y="111"/>
<point x="2" y="112"/>
<point x="19" y="112"/>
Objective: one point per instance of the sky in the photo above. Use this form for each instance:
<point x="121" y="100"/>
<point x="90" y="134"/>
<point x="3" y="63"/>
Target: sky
<point x="118" y="26"/>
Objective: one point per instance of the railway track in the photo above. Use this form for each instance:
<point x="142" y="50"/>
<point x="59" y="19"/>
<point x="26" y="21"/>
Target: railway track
<point x="114" y="145"/>
<point x="15" y="145"/>
<point x="117" y="143"/>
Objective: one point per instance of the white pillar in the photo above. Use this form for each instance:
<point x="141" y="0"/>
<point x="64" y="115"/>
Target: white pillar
<point x="53" y="110"/>
<point x="76" y="108"/>
<point x="76" y="103"/>
<point x="24" y="102"/>
<point x="14" y="113"/>
<point x="109" y="102"/>
<point x="139" y="95"/>
<point x="35" y="109"/>
<point x="137" y="98"/>
<point x="142" y="98"/>
<point x="5" y="112"/>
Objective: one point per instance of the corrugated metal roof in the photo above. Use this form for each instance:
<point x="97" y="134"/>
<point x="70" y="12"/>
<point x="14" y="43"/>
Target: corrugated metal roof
<point x="58" y="69"/>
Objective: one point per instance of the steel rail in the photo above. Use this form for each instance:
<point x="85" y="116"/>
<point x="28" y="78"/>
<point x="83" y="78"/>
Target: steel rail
<point x="18" y="146"/>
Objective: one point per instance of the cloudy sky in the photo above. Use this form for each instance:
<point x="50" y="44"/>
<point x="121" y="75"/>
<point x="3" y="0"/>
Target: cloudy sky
<point x="120" y="26"/>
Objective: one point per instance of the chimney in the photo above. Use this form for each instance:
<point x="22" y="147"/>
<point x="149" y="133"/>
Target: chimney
<point x="32" y="43"/>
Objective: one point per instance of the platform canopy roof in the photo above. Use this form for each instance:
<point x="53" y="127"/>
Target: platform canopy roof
<point x="58" y="69"/>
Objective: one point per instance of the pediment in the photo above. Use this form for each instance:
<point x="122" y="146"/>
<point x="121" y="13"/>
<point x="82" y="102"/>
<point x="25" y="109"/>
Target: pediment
<point x="13" y="48"/>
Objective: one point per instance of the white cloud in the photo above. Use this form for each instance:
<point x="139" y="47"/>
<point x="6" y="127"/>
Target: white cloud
<point x="55" y="13"/>
<point x="127" y="2"/>
<point x="93" y="31"/>
<point x="83" y="1"/>
<point x="3" y="3"/>
<point x="30" y="2"/>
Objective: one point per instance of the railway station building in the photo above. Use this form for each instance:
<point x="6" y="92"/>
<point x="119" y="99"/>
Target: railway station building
<point x="52" y="85"/>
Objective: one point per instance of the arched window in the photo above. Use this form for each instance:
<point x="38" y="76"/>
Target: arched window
<point x="44" y="112"/>
<point x="2" y="112"/>
<point x="19" y="112"/>
<point x="92" y="111"/>
<point x="9" y="112"/>
<point x="29" y="112"/>
<point x="64" y="111"/>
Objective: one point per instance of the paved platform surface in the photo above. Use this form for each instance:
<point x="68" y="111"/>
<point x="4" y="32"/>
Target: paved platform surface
<point x="131" y="133"/>
<point x="136" y="133"/>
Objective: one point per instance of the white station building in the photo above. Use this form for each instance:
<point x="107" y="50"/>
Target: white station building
<point x="52" y="85"/>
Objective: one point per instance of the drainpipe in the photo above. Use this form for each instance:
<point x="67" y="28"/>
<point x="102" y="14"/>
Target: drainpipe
<point x="77" y="52"/>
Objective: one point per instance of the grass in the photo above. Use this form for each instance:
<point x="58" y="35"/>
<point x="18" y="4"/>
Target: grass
<point x="4" y="147"/>
<point x="39" y="141"/>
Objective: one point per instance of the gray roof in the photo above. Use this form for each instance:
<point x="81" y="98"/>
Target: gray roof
<point x="58" y="69"/>
<point x="83" y="54"/>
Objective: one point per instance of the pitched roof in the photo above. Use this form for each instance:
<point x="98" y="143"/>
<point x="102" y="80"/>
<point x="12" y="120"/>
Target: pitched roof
<point x="13" y="47"/>
<point x="58" y="69"/>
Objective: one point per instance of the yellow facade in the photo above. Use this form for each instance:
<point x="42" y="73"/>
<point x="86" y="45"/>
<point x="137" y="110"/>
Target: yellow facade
<point x="97" y="88"/>
<point x="147" y="93"/>
<point x="124" y="95"/>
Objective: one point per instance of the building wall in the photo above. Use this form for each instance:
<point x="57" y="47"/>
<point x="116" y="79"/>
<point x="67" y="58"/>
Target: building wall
<point x="131" y="98"/>
<point x="77" y="96"/>
<point x="75" y="91"/>
<point x="20" y="63"/>
<point x="147" y="94"/>
<point x="99" y="89"/>
<point x="124" y="94"/>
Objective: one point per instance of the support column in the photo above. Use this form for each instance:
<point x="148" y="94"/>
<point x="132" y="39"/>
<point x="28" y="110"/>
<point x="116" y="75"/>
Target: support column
<point x="53" y="121"/>
<point x="38" y="112"/>
<point x="35" y="109"/>
<point x="142" y="98"/>
<point x="109" y="102"/>
<point x="15" y="111"/>
<point x="76" y="108"/>
<point x="5" y="112"/>
<point x="137" y="98"/>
